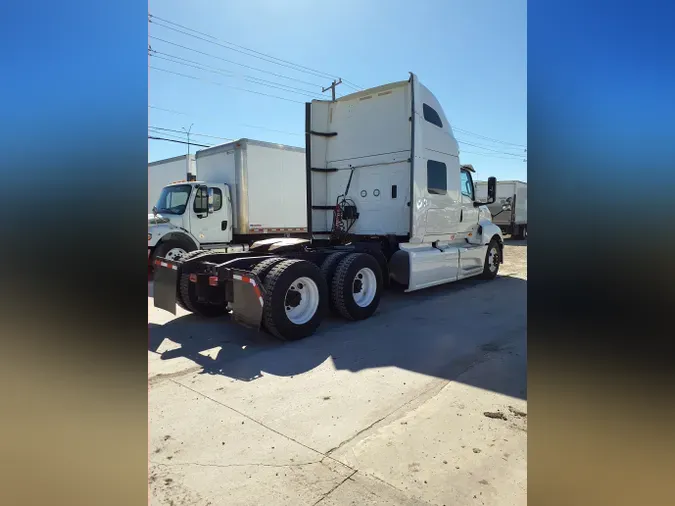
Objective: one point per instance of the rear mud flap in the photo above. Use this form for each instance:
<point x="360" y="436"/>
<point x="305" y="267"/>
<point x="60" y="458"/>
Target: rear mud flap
<point x="165" y="285"/>
<point x="247" y="303"/>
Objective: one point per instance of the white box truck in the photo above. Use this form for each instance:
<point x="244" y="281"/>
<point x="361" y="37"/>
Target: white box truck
<point x="247" y="190"/>
<point x="386" y="199"/>
<point x="163" y="172"/>
<point x="509" y="211"/>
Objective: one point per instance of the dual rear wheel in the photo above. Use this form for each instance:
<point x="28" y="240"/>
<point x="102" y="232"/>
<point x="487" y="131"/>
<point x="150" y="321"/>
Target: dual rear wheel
<point x="298" y="294"/>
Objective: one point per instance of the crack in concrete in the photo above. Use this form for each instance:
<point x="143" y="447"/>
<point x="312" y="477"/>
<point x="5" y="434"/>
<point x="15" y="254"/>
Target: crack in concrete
<point x="436" y="389"/>
<point x="263" y="425"/>
<point x="334" y="488"/>
<point x="401" y="491"/>
<point x="177" y="464"/>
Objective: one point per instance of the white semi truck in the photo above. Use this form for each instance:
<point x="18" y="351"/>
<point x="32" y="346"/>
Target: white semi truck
<point x="163" y="172"/>
<point x="386" y="199"/>
<point x="247" y="190"/>
<point x="509" y="211"/>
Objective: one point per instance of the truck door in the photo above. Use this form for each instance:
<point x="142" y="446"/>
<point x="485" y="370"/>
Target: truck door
<point x="215" y="225"/>
<point x="468" y="215"/>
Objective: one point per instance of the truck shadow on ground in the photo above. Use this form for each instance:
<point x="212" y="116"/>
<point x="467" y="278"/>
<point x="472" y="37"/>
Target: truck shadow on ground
<point x="441" y="331"/>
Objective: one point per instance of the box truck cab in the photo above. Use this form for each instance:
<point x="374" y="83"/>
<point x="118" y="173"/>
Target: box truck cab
<point x="387" y="199"/>
<point x="163" y="172"/>
<point x="189" y="215"/>
<point x="248" y="191"/>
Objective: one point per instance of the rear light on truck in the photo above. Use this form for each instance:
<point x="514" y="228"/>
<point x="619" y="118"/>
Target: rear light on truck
<point x="213" y="280"/>
<point x="193" y="278"/>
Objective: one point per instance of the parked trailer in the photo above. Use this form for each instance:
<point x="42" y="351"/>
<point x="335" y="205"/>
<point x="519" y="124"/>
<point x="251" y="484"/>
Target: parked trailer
<point x="509" y="211"/>
<point x="386" y="200"/>
<point x="164" y="172"/>
<point x="247" y="190"/>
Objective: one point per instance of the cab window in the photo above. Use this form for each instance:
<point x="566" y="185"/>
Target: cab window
<point x="217" y="199"/>
<point x="466" y="184"/>
<point x="201" y="199"/>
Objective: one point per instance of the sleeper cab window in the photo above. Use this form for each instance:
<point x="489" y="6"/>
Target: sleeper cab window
<point x="431" y="115"/>
<point x="437" y="178"/>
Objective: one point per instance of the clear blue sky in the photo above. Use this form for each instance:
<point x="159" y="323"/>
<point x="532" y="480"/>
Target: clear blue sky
<point x="472" y="54"/>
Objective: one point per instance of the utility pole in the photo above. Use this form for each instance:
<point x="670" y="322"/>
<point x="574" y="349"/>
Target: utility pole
<point x="332" y="87"/>
<point x="188" y="137"/>
<point x="187" y="158"/>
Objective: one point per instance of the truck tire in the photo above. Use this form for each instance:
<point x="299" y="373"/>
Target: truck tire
<point x="295" y="301"/>
<point x="187" y="295"/>
<point x="492" y="260"/>
<point x="263" y="268"/>
<point x="357" y="286"/>
<point x="172" y="249"/>
<point x="523" y="232"/>
<point x="329" y="266"/>
<point x="179" y="297"/>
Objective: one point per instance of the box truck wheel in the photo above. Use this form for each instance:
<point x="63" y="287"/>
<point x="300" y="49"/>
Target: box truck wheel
<point x="296" y="299"/>
<point x="492" y="260"/>
<point x="357" y="286"/>
<point x="173" y="249"/>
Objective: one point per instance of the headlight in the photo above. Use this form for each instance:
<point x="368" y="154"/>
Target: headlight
<point x="149" y="236"/>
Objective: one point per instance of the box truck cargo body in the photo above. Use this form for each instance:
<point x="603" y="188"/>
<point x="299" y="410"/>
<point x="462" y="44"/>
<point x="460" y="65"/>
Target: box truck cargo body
<point x="509" y="211"/>
<point x="267" y="182"/>
<point x="164" y="172"/>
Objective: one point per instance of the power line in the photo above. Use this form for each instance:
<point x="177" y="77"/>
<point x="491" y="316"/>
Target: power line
<point x="305" y="69"/>
<point x="489" y="155"/>
<point x="488" y="148"/>
<point x="488" y="138"/>
<point x="227" y="73"/>
<point x="240" y="124"/>
<point x="152" y="137"/>
<point x="166" y="134"/>
<point x="234" y="62"/>
<point x="268" y="59"/>
<point x="225" y="85"/>
<point x="192" y="133"/>
<point x="167" y="110"/>
<point x="352" y="85"/>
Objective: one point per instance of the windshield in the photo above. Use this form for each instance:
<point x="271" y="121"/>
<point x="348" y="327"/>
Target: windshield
<point x="174" y="199"/>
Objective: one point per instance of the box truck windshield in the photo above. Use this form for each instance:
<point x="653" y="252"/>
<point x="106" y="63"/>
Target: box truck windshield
<point x="174" y="199"/>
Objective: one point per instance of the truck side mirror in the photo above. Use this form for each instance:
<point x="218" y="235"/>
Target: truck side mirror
<point x="492" y="190"/>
